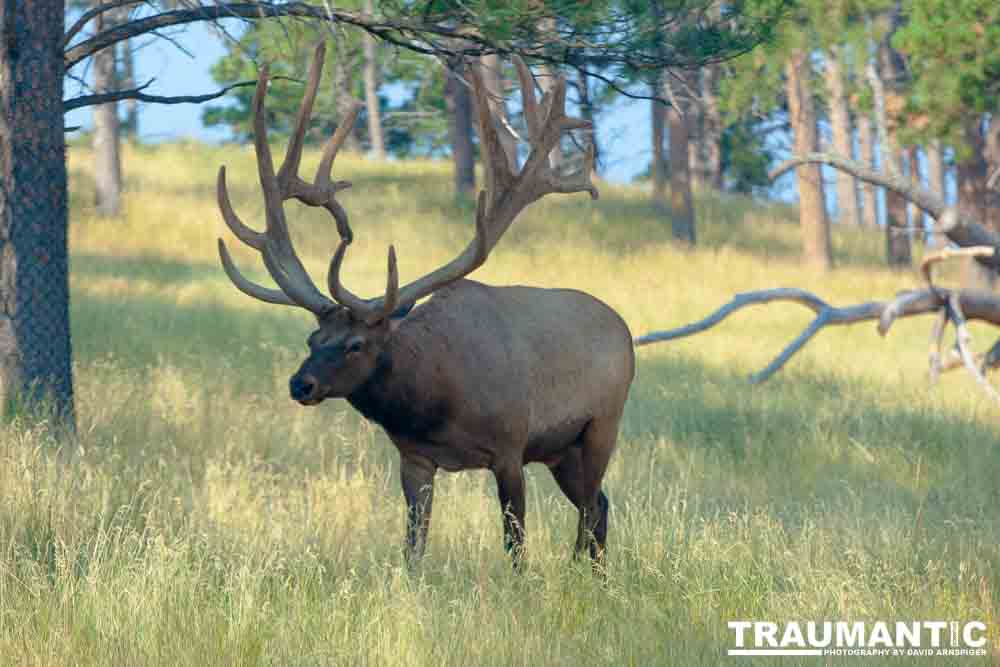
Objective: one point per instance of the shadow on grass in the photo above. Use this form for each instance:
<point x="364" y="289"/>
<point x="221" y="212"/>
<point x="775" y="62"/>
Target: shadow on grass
<point x="795" y="436"/>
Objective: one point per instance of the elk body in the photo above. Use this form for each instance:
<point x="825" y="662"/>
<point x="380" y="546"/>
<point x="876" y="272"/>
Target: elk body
<point x="476" y="376"/>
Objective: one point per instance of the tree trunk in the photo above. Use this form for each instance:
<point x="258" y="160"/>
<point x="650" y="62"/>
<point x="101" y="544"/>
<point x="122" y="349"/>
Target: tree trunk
<point x="658" y="167"/>
<point x="888" y="82"/>
<point x="712" y="126"/>
<point x="587" y="113"/>
<point x="547" y="80"/>
<point x="935" y="168"/>
<point x="696" y="136"/>
<point x="869" y="193"/>
<point x="107" y="139"/>
<point x="971" y="174"/>
<point x="492" y="71"/>
<point x="374" y="112"/>
<point x="344" y="97"/>
<point x="681" y="202"/>
<point x="991" y="153"/>
<point x="840" y="123"/>
<point x="459" y="102"/>
<point x="816" y="246"/>
<point x="131" y="125"/>
<point x="35" y="352"/>
<point x="913" y="168"/>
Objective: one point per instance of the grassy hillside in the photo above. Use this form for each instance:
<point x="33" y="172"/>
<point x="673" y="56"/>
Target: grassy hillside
<point x="205" y="518"/>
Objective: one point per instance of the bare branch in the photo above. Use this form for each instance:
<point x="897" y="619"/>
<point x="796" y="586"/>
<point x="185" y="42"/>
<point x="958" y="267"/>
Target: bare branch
<point x="90" y="14"/>
<point x="977" y="304"/>
<point x="137" y="94"/>
<point x="964" y="339"/>
<point x="961" y="230"/>
<point x="930" y="259"/>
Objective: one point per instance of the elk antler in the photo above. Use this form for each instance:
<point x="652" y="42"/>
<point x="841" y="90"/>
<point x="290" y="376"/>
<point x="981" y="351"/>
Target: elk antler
<point x="275" y="245"/>
<point x="506" y="194"/>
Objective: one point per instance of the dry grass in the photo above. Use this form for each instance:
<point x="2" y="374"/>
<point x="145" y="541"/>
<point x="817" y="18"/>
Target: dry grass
<point x="206" y="519"/>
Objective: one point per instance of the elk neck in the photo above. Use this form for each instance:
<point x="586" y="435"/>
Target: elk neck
<point x="398" y="395"/>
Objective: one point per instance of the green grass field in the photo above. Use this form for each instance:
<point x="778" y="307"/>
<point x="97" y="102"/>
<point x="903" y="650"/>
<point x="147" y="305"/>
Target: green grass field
<point x="203" y="518"/>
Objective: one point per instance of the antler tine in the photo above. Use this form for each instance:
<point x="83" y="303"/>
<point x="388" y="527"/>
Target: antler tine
<point x="248" y="287"/>
<point x="496" y="162"/>
<point x="528" y="99"/>
<point x="507" y="193"/>
<point x="293" y="154"/>
<point x="253" y="239"/>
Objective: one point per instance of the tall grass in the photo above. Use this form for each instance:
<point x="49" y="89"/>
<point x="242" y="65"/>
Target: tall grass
<point x="200" y="517"/>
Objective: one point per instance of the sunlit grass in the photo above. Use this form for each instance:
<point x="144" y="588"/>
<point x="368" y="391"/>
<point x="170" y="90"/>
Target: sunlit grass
<point x="203" y="518"/>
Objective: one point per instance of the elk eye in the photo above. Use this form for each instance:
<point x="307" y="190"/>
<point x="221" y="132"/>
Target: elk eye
<point x="355" y="345"/>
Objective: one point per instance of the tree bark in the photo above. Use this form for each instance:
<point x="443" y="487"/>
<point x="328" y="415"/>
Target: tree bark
<point x="712" y="126"/>
<point x="35" y="351"/>
<point x="107" y="138"/>
<point x="344" y="97"/>
<point x="547" y="80"/>
<point x="587" y="113"/>
<point x="935" y="168"/>
<point x="696" y="135"/>
<point x="913" y="168"/>
<point x="991" y="153"/>
<point x="681" y="201"/>
<point x="888" y="81"/>
<point x="131" y="125"/>
<point x="840" y="123"/>
<point x="658" y="167"/>
<point x="492" y="73"/>
<point x="971" y="175"/>
<point x="866" y="148"/>
<point x="459" y="102"/>
<point x="816" y="246"/>
<point x="374" y="112"/>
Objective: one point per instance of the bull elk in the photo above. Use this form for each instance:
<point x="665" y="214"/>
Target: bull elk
<point x="477" y="376"/>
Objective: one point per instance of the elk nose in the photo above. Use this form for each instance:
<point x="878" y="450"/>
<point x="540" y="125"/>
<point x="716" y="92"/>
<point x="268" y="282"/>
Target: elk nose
<point x="301" y="388"/>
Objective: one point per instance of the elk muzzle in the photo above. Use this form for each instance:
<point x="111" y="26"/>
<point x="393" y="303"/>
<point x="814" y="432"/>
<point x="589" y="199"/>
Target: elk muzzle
<point x="303" y="388"/>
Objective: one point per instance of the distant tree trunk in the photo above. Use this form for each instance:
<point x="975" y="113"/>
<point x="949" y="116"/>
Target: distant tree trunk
<point x="374" y="111"/>
<point x="107" y="140"/>
<point x="681" y="201"/>
<point x="547" y="80"/>
<point x="459" y="102"/>
<point x="816" y="245"/>
<point x="658" y="167"/>
<point x="131" y="125"/>
<point x="711" y="132"/>
<point x="869" y="193"/>
<point x="35" y="351"/>
<point x="913" y="169"/>
<point x="888" y="82"/>
<point x="897" y="237"/>
<point x="492" y="71"/>
<point x="971" y="174"/>
<point x="935" y="167"/>
<point x="991" y="153"/>
<point x="587" y="113"/>
<point x="696" y="135"/>
<point x="344" y="97"/>
<point x="840" y="123"/>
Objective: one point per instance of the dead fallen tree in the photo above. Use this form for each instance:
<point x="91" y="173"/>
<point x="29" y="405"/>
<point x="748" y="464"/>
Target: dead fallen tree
<point x="950" y="306"/>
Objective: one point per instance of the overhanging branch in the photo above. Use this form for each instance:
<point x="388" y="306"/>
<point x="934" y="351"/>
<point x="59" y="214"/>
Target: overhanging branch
<point x="137" y="94"/>
<point x="961" y="230"/>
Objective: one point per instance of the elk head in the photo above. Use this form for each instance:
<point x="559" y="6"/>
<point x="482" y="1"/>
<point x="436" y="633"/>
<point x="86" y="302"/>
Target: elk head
<point x="354" y="333"/>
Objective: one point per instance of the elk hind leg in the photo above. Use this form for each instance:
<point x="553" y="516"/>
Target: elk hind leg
<point x="510" y="490"/>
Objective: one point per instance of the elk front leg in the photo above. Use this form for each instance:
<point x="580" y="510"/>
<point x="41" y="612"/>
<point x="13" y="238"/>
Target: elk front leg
<point x="417" y="475"/>
<point x="510" y="489"/>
